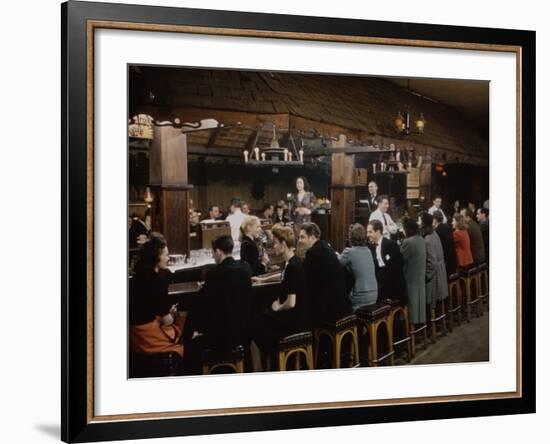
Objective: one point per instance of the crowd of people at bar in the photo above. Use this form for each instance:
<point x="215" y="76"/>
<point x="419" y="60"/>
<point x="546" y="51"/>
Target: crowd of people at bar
<point x="410" y="260"/>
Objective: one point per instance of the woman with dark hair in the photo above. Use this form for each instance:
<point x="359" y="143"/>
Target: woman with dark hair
<point x="288" y="313"/>
<point x="358" y="260"/>
<point x="156" y="325"/>
<point x="303" y="202"/>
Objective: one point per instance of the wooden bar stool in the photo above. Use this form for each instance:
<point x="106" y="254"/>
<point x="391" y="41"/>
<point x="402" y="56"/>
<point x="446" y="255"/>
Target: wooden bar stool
<point x="336" y="332"/>
<point x="233" y="359"/>
<point x="483" y="285"/>
<point x="454" y="305"/>
<point x="396" y="309"/>
<point x="297" y="344"/>
<point x="469" y="280"/>
<point x="372" y="317"/>
<point x="435" y="318"/>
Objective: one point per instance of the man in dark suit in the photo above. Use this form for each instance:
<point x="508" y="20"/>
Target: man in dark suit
<point x="388" y="264"/>
<point x="220" y="319"/>
<point x="373" y="196"/>
<point x="325" y="278"/>
<point x="482" y="216"/>
<point x="445" y="233"/>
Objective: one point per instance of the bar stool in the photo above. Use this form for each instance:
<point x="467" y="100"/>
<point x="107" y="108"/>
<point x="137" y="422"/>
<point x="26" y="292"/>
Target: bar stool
<point x="297" y="344"/>
<point x="469" y="280"/>
<point x="372" y="317"/>
<point x="435" y="318"/>
<point x="336" y="332"/>
<point x="233" y="359"/>
<point x="455" y="300"/>
<point x="398" y="308"/>
<point x="483" y="285"/>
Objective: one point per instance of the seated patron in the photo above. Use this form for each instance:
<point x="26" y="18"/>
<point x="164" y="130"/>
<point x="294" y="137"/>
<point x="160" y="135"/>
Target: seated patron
<point x="464" y="259"/>
<point x="267" y="212"/>
<point x="358" y="259"/>
<point x="156" y="326"/>
<point x="381" y="214"/>
<point x="476" y="238"/>
<point x="325" y="279"/>
<point x="221" y="318"/>
<point x="289" y="313"/>
<point x="214" y="213"/>
<point x="279" y="216"/>
<point x="436" y="274"/>
<point x="388" y="263"/>
<point x="413" y="249"/>
<point x="139" y="230"/>
<point x="251" y="230"/>
<point x="445" y="233"/>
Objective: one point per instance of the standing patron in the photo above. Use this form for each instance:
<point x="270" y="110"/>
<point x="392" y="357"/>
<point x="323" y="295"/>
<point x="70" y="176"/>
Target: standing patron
<point x="445" y="233"/>
<point x="413" y="249"/>
<point x="476" y="238"/>
<point x="464" y="259"/>
<point x="483" y="219"/>
<point x="325" y="279"/>
<point x="436" y="274"/>
<point x="381" y="214"/>
<point x="388" y="264"/>
<point x="358" y="259"/>
<point x="236" y="218"/>
<point x="436" y="206"/>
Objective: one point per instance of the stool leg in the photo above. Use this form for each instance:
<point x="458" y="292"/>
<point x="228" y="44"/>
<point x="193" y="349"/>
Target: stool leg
<point x="297" y="360"/>
<point x="432" y="322"/>
<point x="336" y="349"/>
<point x="406" y="316"/>
<point x="389" y="330"/>
<point x="317" y="342"/>
<point x="450" y="307"/>
<point x="444" y="318"/>
<point x="205" y="369"/>
<point x="282" y="361"/>
<point x="373" y="330"/>
<point x="413" y="340"/>
<point x="355" y="338"/>
<point x="468" y="300"/>
<point x="459" y="303"/>
<point x="425" y="333"/>
<point x="309" y="357"/>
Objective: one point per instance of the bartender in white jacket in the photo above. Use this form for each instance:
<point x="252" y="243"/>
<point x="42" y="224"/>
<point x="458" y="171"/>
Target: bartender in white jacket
<point x="381" y="214"/>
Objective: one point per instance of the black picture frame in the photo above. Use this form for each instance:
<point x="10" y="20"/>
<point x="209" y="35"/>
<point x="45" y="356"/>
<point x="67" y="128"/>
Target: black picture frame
<point x="76" y="423"/>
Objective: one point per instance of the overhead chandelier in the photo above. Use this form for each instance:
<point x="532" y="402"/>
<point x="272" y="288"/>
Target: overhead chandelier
<point x="275" y="155"/>
<point x="402" y="121"/>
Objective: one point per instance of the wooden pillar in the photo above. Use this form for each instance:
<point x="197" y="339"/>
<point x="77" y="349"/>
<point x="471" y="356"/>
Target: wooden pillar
<point x="426" y="185"/>
<point x="168" y="182"/>
<point x="342" y="198"/>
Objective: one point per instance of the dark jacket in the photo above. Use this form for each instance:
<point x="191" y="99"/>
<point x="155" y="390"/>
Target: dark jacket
<point x="476" y="242"/>
<point x="445" y="233"/>
<point x="251" y="255"/>
<point x="391" y="281"/>
<point x="223" y="310"/>
<point x="325" y="284"/>
<point x="484" y="227"/>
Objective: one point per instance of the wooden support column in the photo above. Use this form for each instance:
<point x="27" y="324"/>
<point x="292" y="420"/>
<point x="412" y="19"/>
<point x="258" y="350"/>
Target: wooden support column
<point x="342" y="198"/>
<point x="168" y="182"/>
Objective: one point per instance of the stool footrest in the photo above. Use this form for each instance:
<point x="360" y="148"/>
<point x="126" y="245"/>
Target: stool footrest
<point x="401" y="341"/>
<point x="438" y="318"/>
<point x="386" y="356"/>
